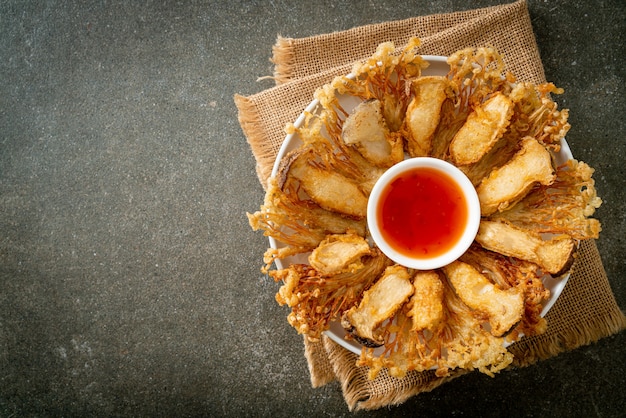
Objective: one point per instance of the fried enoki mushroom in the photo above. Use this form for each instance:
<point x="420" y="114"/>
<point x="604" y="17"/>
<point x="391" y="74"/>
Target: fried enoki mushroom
<point x="317" y="299"/>
<point x="367" y="130"/>
<point x="300" y="224"/>
<point x="482" y="129"/>
<point x="510" y="183"/>
<point x="378" y="304"/>
<point x="554" y="255"/>
<point x="563" y="207"/>
<point x="339" y="253"/>
<point x="503" y="135"/>
<point x="506" y="272"/>
<point x="424" y="113"/>
<point x="458" y="340"/>
<point x="503" y="308"/>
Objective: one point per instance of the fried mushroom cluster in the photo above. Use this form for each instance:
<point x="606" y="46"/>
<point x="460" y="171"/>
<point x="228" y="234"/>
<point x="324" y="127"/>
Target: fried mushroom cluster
<point x="503" y="135"/>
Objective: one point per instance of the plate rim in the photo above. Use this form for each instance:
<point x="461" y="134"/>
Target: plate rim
<point x="563" y="155"/>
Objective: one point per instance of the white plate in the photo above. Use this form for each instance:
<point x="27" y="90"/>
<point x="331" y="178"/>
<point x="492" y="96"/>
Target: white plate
<point x="438" y="67"/>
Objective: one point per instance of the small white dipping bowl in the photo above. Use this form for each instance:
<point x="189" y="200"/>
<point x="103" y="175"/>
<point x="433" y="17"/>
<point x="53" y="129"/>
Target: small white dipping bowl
<point x="468" y="234"/>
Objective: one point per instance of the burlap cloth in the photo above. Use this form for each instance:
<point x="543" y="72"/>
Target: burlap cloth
<point x="586" y="310"/>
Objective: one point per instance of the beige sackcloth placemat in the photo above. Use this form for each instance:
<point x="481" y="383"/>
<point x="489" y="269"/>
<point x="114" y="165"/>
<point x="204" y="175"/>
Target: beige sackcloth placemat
<point x="586" y="310"/>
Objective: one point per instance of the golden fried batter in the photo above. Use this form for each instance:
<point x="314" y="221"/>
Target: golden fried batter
<point x="339" y="254"/>
<point x="502" y="135"/>
<point x="367" y="130"/>
<point x="554" y="255"/>
<point x="503" y="308"/>
<point x="379" y="303"/>
<point x="482" y="129"/>
<point x="510" y="183"/>
<point x="424" y="113"/>
<point x="426" y="305"/>
<point x="330" y="189"/>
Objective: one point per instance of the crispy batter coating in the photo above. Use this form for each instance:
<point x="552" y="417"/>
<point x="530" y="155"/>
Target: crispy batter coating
<point x="299" y="224"/>
<point x="507" y="272"/>
<point x="502" y="135"/>
<point x="367" y="130"/>
<point x="378" y="304"/>
<point x="482" y="129"/>
<point x="339" y="254"/>
<point x="331" y="190"/>
<point x="554" y="255"/>
<point x="316" y="299"/>
<point x="424" y="113"/>
<point x="508" y="184"/>
<point x="503" y="308"/>
<point x="426" y="305"/>
<point x="563" y="207"/>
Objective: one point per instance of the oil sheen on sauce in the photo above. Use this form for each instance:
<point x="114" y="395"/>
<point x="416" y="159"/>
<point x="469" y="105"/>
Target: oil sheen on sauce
<point x="422" y="213"/>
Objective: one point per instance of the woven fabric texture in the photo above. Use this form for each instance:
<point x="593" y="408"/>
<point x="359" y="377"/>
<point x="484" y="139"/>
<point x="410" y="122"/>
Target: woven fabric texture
<point x="586" y="310"/>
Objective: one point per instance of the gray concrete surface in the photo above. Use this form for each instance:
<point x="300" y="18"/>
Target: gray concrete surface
<point x="129" y="278"/>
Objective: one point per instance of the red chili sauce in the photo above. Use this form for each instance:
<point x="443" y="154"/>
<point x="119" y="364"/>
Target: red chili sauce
<point x="422" y="213"/>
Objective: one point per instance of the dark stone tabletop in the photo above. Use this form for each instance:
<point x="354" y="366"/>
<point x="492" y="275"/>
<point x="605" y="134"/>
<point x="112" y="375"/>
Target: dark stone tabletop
<point x="129" y="276"/>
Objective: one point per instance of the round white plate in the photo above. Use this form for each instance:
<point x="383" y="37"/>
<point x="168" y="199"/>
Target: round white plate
<point x="438" y="67"/>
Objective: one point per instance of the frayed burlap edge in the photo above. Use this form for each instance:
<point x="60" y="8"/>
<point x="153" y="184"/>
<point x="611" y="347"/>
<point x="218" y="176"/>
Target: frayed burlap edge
<point x="252" y="124"/>
<point x="362" y="393"/>
<point x="580" y="335"/>
<point x="320" y="368"/>
<point x="564" y="335"/>
<point x="441" y="34"/>
<point x="283" y="58"/>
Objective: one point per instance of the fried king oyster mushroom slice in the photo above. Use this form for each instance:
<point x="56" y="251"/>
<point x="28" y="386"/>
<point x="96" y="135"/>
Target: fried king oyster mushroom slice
<point x="317" y="299"/>
<point x="573" y="193"/>
<point x="329" y="189"/>
<point x="482" y="129"/>
<point x="506" y="185"/>
<point x="366" y="129"/>
<point x="554" y="256"/>
<point x="424" y="113"/>
<point x="426" y="304"/>
<point x="379" y="303"/>
<point x="503" y="308"/>
<point x="339" y="254"/>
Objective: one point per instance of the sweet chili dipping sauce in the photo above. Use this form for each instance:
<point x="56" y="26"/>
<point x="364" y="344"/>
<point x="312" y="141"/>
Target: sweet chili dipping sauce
<point x="422" y="213"/>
